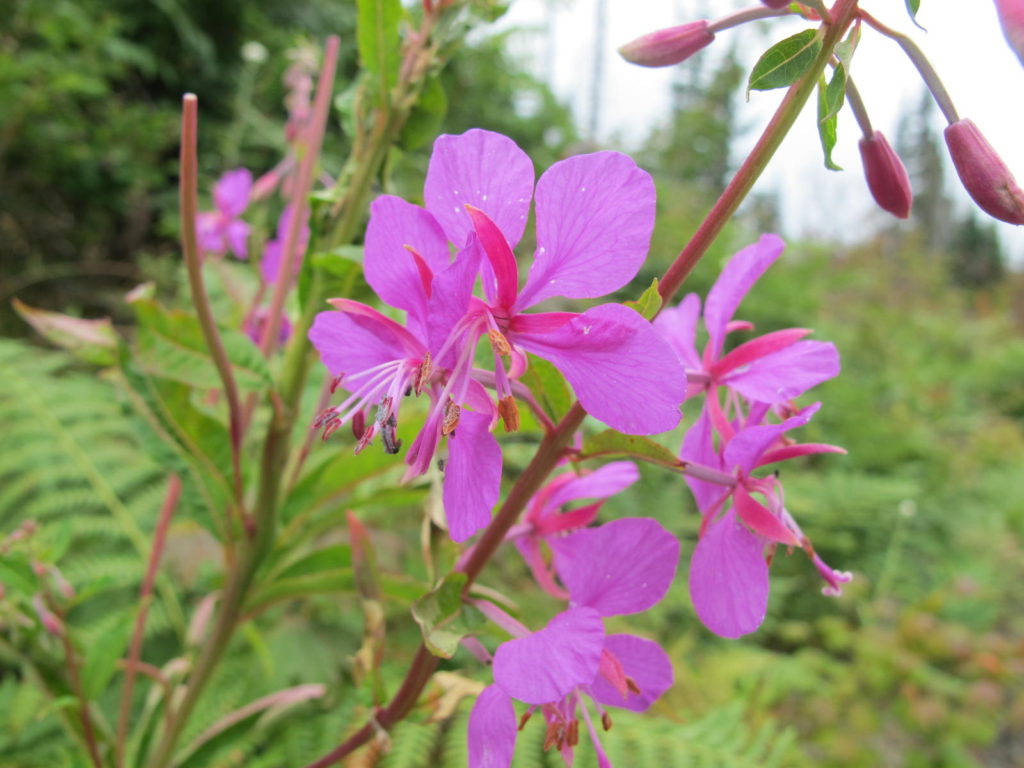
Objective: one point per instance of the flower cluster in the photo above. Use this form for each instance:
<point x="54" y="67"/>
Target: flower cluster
<point x="743" y="425"/>
<point x="594" y="216"/>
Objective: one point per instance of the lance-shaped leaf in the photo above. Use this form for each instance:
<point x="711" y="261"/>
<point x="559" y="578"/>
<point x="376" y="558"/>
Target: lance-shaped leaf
<point x="830" y="101"/>
<point x="16" y="574"/>
<point x="102" y="655"/>
<point x="649" y="303"/>
<point x="912" y="7"/>
<point x="612" y="443"/>
<point x="784" y="63"/>
<point x="443" y="618"/>
<point x="93" y="341"/>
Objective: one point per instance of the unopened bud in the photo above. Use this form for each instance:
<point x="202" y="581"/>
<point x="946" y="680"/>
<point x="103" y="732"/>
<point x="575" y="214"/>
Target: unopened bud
<point x="47" y="618"/>
<point x="886" y="175"/>
<point x="668" y="46"/>
<point x="984" y="175"/>
<point x="1011" y="16"/>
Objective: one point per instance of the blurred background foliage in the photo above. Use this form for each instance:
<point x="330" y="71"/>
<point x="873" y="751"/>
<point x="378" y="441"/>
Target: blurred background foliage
<point x="920" y="663"/>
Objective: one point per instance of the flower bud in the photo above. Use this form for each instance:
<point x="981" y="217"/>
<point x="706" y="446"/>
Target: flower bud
<point x="984" y="175"/>
<point x="887" y="178"/>
<point x="1011" y="16"/>
<point x="668" y="46"/>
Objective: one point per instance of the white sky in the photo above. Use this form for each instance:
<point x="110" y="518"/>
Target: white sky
<point x="967" y="49"/>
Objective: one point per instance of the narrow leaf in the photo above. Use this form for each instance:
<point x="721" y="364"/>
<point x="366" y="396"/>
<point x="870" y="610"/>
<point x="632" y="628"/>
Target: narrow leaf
<point x="649" y="303"/>
<point x="548" y="387"/>
<point x="101" y="656"/>
<point x="783" y="64"/>
<point x="443" y="618"/>
<point x="827" y="126"/>
<point x="93" y="341"/>
<point x="912" y="8"/>
<point x="378" y="41"/>
<point x="612" y="443"/>
<point x="16" y="574"/>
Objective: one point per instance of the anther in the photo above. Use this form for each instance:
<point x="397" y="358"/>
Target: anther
<point x="551" y="737"/>
<point x="574" y="733"/>
<point x="358" y="424"/>
<point x="498" y="342"/>
<point x="631" y="684"/>
<point x="426" y="371"/>
<point x="441" y="464"/>
<point x="392" y="444"/>
<point x="336" y="382"/>
<point x="525" y="719"/>
<point x="451" y="417"/>
<point x="509" y="413"/>
<point x="606" y="721"/>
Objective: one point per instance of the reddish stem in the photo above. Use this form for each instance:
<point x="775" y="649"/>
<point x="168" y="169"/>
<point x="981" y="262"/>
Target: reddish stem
<point x="132" y="663"/>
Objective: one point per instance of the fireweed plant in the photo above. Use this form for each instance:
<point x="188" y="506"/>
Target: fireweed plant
<point x="456" y="342"/>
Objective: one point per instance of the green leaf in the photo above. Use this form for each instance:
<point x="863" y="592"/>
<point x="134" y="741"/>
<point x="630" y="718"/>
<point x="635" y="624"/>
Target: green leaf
<point x="912" y="8"/>
<point x="16" y="574"/>
<point x="784" y="63"/>
<point x="548" y="387"/>
<point x="828" y="110"/>
<point x="443" y="618"/>
<point x="378" y="40"/>
<point x="171" y="345"/>
<point x="93" y="341"/>
<point x="330" y="582"/>
<point x="427" y="117"/>
<point x="101" y="656"/>
<point x="611" y="443"/>
<point x="649" y="303"/>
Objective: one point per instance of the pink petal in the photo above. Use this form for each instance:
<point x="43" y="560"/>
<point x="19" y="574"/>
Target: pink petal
<point x="698" y="448"/>
<point x="729" y="578"/>
<point x="486" y="170"/>
<point x="546" y="665"/>
<point x="390" y="269"/>
<point x="231" y="193"/>
<point x="450" y="300"/>
<point x="743" y="270"/>
<point x="595" y="215"/>
<point x="788" y="373"/>
<point x="599" y="484"/>
<point x="679" y="327"/>
<point x="472" y="476"/>
<point x="642" y="660"/>
<point x="746" y="448"/>
<point x="621" y="567"/>
<point x="761" y="520"/>
<point x="270" y="264"/>
<point x="238" y="238"/>
<point x="752" y="350"/>
<point x="499" y="255"/>
<point x="621" y="369"/>
<point x="492" y="730"/>
<point x="799" y="449"/>
<point x="209" y="232"/>
<point x="349" y="342"/>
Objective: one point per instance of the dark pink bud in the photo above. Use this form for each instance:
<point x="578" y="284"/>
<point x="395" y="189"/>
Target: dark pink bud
<point x="668" y="46"/>
<point x="887" y="178"/>
<point x="1011" y="16"/>
<point x="984" y="175"/>
<point x="776" y="3"/>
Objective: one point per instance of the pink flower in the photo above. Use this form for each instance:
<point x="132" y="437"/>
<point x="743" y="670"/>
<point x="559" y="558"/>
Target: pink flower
<point x="729" y="570"/>
<point x="773" y="368"/>
<point x="270" y="265"/>
<point x="622" y="567"/>
<point x="887" y="177"/>
<point x="595" y="214"/>
<point x="668" y="46"/>
<point x="221" y="230"/>
<point x="983" y="173"/>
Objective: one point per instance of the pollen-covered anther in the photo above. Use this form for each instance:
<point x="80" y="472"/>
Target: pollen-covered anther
<point x="425" y="372"/>
<point x="509" y="413"/>
<point x="392" y="444"/>
<point x="499" y="343"/>
<point x="606" y="721"/>
<point x="451" y="417"/>
<point x="573" y="737"/>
